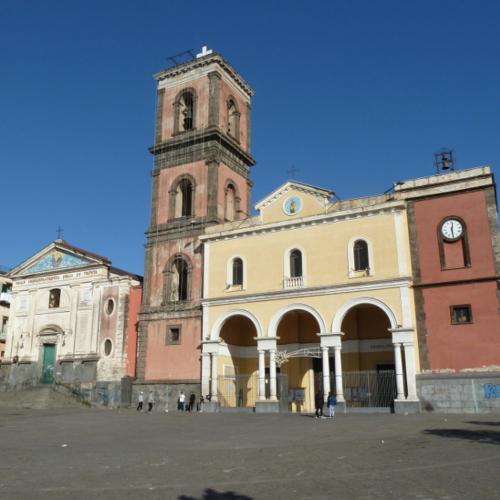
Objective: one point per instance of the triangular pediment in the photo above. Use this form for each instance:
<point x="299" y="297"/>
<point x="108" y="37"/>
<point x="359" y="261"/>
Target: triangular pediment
<point x="58" y="256"/>
<point x="293" y="199"/>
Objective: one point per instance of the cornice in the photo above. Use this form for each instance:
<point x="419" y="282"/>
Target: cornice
<point x="255" y="227"/>
<point x="404" y="281"/>
<point x="202" y="62"/>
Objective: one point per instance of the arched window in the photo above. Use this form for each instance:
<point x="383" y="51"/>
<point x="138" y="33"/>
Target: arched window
<point x="230" y="203"/>
<point x="295" y="263"/>
<point x="185" y="198"/>
<point x="233" y="119"/>
<point x="361" y="261"/>
<point x="182" y="199"/>
<point x="185" y="111"/>
<point x="178" y="280"/>
<point x="54" y="298"/>
<point x="237" y="271"/>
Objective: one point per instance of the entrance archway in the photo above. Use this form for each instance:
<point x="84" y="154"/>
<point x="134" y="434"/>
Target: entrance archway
<point x="237" y="363"/>
<point x="298" y="345"/>
<point x="368" y="362"/>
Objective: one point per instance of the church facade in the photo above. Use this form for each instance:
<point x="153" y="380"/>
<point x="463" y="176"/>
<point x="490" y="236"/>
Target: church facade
<point x="73" y="324"/>
<point x="389" y="301"/>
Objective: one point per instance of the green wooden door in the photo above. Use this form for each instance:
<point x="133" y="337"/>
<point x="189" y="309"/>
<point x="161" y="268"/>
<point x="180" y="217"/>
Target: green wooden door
<point x="49" y="359"/>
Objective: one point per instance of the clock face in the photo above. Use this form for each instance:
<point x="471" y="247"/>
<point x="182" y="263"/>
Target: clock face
<point x="452" y="229"/>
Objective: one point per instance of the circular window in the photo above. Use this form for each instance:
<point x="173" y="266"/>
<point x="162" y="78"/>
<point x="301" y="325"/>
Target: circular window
<point x="108" y="346"/>
<point x="110" y="306"/>
<point x="292" y="205"/>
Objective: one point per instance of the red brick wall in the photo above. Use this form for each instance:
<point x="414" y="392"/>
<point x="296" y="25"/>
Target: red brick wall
<point x="459" y="346"/>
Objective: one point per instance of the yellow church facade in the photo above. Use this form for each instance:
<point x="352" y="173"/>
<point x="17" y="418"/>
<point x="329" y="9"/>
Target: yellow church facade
<point x="308" y="297"/>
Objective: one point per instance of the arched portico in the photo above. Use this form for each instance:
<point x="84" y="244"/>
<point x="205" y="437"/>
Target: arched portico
<point x="343" y="310"/>
<point x="229" y="359"/>
<point x="372" y="344"/>
<point x="273" y="324"/>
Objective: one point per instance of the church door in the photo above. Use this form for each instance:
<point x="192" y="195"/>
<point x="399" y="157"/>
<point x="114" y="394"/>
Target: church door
<point x="49" y="358"/>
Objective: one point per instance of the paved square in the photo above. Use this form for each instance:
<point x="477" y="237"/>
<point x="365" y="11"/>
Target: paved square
<point x="86" y="453"/>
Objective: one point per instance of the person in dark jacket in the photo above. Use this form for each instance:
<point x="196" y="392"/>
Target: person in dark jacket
<point x="318" y="400"/>
<point x="331" y="402"/>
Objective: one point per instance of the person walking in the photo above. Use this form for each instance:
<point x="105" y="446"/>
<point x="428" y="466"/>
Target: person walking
<point x="181" y="401"/>
<point x="141" y="401"/>
<point x="318" y="403"/>
<point x="151" y="400"/>
<point x="192" y="400"/>
<point x="331" y="402"/>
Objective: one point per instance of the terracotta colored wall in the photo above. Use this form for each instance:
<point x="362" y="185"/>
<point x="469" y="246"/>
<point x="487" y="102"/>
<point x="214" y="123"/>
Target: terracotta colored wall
<point x="168" y="177"/>
<point x="463" y="346"/>
<point x="471" y="207"/>
<point x="225" y="92"/>
<point x="467" y="345"/>
<point x="132" y="328"/>
<point x="226" y="174"/>
<point x="160" y="256"/>
<point x="174" y="362"/>
<point x="201" y="118"/>
<point x="108" y="322"/>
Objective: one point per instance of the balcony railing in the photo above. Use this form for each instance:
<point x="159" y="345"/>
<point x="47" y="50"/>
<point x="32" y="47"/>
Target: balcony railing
<point x="295" y="282"/>
<point x="5" y="297"/>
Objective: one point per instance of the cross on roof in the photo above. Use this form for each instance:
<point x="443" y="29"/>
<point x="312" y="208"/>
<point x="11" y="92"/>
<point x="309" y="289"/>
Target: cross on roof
<point x="293" y="170"/>
<point x="59" y="232"/>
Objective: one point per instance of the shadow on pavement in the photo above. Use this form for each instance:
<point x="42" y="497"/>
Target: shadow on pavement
<point x="210" y="494"/>
<point x="476" y="422"/>
<point x="489" y="437"/>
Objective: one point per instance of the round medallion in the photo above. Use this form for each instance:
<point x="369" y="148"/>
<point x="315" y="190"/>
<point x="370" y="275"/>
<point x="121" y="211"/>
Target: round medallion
<point x="452" y="229"/>
<point x="292" y="205"/>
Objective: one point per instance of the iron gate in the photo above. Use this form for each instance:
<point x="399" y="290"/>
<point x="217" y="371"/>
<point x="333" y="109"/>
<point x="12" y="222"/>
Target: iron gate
<point x="242" y="390"/>
<point x="369" y="389"/>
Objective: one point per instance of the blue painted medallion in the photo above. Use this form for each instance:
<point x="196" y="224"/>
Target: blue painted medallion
<point x="56" y="260"/>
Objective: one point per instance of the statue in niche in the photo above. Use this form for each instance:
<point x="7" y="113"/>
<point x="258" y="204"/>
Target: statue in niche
<point x="174" y="283"/>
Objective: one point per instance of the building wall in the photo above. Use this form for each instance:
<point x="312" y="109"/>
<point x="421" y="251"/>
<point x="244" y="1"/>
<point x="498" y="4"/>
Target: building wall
<point x="132" y="329"/>
<point x="458" y="346"/>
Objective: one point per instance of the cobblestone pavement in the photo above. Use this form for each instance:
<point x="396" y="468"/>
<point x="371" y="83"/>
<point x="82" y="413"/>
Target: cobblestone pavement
<point x="86" y="453"/>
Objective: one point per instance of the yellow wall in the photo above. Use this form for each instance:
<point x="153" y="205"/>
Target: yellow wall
<point x="325" y="253"/>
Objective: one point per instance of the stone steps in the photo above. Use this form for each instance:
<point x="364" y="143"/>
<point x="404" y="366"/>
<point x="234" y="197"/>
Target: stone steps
<point x="40" y="397"/>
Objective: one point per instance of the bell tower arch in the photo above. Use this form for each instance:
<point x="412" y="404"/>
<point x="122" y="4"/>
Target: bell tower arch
<point x="202" y="146"/>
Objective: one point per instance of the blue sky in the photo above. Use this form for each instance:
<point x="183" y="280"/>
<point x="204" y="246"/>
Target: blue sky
<point x="354" y="94"/>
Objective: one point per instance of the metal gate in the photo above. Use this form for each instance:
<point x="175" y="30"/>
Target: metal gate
<point x="242" y="390"/>
<point x="369" y="389"/>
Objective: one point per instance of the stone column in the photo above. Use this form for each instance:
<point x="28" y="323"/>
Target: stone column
<point x="326" y="372"/>
<point x="262" y="375"/>
<point x="338" y="375"/>
<point x="272" y="374"/>
<point x="399" y="372"/>
<point x="410" y="370"/>
<point x="205" y="374"/>
<point x="213" y="377"/>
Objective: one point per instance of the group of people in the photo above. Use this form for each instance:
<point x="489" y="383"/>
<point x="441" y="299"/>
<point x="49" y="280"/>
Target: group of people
<point x="181" y="403"/>
<point x="319" y="402"/>
<point x="151" y="400"/>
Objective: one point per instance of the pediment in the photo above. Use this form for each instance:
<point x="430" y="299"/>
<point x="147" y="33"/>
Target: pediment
<point x="56" y="257"/>
<point x="293" y="200"/>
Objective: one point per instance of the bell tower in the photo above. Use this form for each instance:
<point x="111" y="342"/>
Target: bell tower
<point x="200" y="177"/>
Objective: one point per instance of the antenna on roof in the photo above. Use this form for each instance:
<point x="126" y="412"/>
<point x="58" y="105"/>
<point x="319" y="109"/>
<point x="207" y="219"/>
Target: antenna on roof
<point x="444" y="161"/>
<point x="182" y="56"/>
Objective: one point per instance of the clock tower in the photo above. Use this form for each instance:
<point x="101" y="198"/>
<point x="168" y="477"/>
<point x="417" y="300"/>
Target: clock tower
<point x="200" y="177"/>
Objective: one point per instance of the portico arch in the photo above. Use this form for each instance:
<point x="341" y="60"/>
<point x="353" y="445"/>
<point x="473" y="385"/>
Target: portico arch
<point x="273" y="325"/>
<point x="344" y="309"/>
<point x="219" y="323"/>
